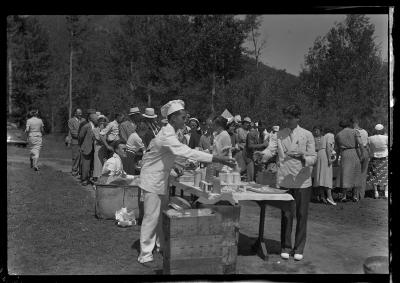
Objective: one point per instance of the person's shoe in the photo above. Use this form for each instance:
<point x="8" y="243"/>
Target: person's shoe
<point x="36" y="168"/>
<point x="343" y="199"/>
<point x="355" y="199"/>
<point x="324" y="200"/>
<point x="146" y="259"/>
<point x="285" y="255"/>
<point x="330" y="201"/>
<point x="298" y="256"/>
<point x="84" y="183"/>
<point x="376" y="195"/>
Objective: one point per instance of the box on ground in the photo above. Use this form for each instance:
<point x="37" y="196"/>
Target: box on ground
<point x="192" y="243"/>
<point x="230" y="225"/>
<point x="110" y="198"/>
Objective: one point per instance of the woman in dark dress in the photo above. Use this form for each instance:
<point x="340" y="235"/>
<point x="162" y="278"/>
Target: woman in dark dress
<point x="195" y="133"/>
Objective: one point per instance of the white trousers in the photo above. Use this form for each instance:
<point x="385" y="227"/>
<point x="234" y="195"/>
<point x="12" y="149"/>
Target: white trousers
<point x="151" y="233"/>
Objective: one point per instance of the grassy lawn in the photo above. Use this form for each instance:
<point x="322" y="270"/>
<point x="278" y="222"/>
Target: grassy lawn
<point x="52" y="228"/>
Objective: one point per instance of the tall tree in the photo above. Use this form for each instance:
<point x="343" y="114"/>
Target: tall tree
<point x="257" y="42"/>
<point x="218" y="48"/>
<point x="77" y="26"/>
<point x="344" y="72"/>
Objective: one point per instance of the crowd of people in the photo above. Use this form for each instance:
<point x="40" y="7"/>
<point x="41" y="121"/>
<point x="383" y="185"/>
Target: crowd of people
<point x="139" y="143"/>
<point x="360" y="160"/>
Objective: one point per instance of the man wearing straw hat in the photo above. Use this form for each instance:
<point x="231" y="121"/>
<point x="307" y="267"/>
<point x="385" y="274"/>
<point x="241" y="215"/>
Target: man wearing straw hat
<point x="157" y="164"/>
<point x="127" y="127"/>
<point x="149" y="118"/>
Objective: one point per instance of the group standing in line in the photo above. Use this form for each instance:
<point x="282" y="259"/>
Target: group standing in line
<point x="137" y="144"/>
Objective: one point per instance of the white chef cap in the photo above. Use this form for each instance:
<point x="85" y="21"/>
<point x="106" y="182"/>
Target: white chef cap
<point x="379" y="127"/>
<point x="171" y="107"/>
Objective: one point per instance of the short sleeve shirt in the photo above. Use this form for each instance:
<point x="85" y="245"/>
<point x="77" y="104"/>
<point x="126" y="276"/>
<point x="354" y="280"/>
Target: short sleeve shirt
<point x="134" y="143"/>
<point x="221" y="142"/>
<point x="34" y="126"/>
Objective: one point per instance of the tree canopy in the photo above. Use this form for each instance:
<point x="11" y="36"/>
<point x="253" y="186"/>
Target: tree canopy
<point x="124" y="61"/>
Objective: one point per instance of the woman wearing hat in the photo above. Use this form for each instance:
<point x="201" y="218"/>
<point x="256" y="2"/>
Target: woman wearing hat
<point x="195" y="133"/>
<point x="35" y="130"/>
<point x="158" y="161"/>
<point x="378" y="166"/>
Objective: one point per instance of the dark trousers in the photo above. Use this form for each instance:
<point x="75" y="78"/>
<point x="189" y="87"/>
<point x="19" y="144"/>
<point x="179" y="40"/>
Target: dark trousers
<point x="86" y="161"/>
<point x="76" y="158"/>
<point x="250" y="170"/>
<point x="364" y="172"/>
<point x="300" y="207"/>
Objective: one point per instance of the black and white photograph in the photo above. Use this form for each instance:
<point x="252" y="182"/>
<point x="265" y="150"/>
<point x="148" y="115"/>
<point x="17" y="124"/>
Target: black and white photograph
<point x="199" y="144"/>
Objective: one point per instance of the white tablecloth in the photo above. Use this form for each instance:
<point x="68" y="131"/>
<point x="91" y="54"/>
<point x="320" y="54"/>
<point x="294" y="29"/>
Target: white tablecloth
<point x="233" y="197"/>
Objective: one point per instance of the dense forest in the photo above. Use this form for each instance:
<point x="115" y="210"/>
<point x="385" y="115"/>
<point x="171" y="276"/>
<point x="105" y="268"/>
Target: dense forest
<point x="111" y="63"/>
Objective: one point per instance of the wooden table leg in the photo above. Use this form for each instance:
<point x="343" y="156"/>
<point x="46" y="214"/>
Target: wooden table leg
<point x="260" y="245"/>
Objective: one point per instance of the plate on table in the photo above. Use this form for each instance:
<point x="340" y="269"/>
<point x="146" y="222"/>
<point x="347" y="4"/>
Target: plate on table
<point x="265" y="190"/>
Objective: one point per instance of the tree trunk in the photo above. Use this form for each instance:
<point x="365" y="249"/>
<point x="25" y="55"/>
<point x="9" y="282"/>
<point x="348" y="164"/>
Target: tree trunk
<point x="213" y="93"/>
<point x="70" y="83"/>
<point x="9" y="86"/>
<point x="52" y="120"/>
<point x="148" y="98"/>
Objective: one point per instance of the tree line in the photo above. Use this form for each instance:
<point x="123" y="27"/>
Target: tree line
<point x="110" y="63"/>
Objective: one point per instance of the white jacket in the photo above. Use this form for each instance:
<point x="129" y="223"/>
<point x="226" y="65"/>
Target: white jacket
<point x="159" y="159"/>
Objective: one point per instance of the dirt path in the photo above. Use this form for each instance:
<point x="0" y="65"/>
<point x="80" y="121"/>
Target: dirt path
<point x="52" y="230"/>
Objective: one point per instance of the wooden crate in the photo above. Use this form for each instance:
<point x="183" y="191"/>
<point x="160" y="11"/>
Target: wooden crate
<point x="192" y="243"/>
<point x="230" y="230"/>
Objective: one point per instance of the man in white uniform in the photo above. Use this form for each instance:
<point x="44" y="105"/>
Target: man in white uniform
<point x="157" y="163"/>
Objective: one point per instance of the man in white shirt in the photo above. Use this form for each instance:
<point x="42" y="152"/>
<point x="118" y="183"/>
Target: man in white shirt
<point x="158" y="161"/>
<point x="296" y="156"/>
<point x="113" y="166"/>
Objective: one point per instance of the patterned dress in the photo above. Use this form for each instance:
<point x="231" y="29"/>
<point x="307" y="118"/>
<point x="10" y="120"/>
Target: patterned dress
<point x="378" y="166"/>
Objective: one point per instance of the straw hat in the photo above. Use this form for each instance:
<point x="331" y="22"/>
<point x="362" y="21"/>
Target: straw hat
<point x="379" y="127"/>
<point x="247" y="119"/>
<point x="149" y="113"/>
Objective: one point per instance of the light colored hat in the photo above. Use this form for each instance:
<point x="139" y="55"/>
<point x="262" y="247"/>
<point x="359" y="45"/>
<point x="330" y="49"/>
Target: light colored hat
<point x="171" y="107"/>
<point x="194" y="119"/>
<point x="238" y="119"/>
<point x="275" y="128"/>
<point x="379" y="127"/>
<point x="98" y="113"/>
<point x="134" y="110"/>
<point x="247" y="119"/>
<point x="93" y="116"/>
<point x="101" y="116"/>
<point x="149" y="113"/>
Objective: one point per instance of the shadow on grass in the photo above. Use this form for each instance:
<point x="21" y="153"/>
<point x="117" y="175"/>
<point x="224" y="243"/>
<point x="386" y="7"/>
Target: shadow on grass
<point x="245" y="245"/>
